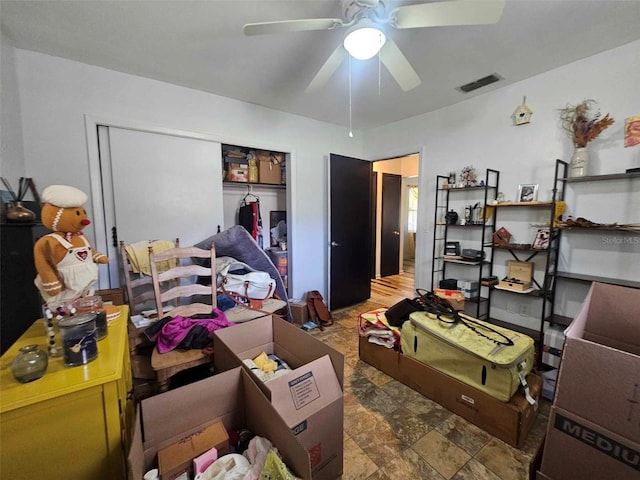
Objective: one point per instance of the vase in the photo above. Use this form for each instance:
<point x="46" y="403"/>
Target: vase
<point x="451" y="217"/>
<point x="30" y="364"/>
<point x="579" y="162"/>
<point x="18" y="213"/>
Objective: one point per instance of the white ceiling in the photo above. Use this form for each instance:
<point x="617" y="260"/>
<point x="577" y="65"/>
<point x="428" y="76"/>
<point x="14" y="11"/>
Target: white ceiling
<point x="200" y="44"/>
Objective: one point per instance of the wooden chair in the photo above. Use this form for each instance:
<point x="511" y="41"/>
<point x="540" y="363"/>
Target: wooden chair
<point x="168" y="364"/>
<point x="139" y="288"/>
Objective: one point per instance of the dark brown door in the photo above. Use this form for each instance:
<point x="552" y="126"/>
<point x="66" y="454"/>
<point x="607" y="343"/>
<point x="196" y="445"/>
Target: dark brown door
<point x="349" y="231"/>
<point x="390" y="228"/>
<point x="374" y="221"/>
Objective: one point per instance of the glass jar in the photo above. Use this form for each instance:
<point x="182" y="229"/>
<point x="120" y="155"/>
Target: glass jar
<point x="79" y="344"/>
<point x="93" y="304"/>
<point x="30" y="364"/>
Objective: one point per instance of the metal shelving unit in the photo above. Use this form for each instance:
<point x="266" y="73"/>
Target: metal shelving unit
<point x="444" y="232"/>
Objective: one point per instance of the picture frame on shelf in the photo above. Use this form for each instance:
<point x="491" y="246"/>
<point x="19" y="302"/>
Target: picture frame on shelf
<point x="541" y="242"/>
<point x="527" y="192"/>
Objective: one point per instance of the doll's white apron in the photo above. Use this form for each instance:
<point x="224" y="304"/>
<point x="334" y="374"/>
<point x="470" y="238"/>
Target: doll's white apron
<point x="78" y="271"/>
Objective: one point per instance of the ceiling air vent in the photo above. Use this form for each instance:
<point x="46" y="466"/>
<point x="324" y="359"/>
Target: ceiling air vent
<point x="482" y="82"/>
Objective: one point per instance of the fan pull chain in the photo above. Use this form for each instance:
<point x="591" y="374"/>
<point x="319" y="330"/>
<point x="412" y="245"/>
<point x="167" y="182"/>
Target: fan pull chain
<point x="350" y="131"/>
<point x="379" y="73"/>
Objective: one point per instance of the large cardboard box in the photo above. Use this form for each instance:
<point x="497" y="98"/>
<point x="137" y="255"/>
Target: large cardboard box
<point x="231" y="398"/>
<point x="309" y="398"/>
<point x="269" y="172"/>
<point x="577" y="449"/>
<point x="599" y="374"/>
<point x="509" y="421"/>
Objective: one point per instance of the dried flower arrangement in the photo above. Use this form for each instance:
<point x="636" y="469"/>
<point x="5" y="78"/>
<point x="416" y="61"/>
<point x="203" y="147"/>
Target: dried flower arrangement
<point x="582" y="126"/>
<point x="468" y="176"/>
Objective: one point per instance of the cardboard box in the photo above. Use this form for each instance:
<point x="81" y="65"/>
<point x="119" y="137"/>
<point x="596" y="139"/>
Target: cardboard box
<point x="455" y="297"/>
<point x="599" y="374"/>
<point x="576" y="449"/>
<point x="177" y="458"/>
<point x="549" y="380"/>
<point x="231" y="398"/>
<point x="509" y="421"/>
<point x="519" y="276"/>
<point x="309" y="398"/>
<point x="269" y="172"/>
<point x="238" y="174"/>
<point x="553" y="345"/>
<point x="299" y="312"/>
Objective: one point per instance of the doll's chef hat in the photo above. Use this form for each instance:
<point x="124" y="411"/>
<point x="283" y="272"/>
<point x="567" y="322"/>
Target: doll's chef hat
<point x="64" y="196"/>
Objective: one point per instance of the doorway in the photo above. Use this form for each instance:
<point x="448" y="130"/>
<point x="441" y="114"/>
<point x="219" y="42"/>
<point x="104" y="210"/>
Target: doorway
<point x="398" y="182"/>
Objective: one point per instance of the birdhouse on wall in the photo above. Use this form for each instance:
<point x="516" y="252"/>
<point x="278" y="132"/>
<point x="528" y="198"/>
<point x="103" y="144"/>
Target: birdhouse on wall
<point x="522" y="114"/>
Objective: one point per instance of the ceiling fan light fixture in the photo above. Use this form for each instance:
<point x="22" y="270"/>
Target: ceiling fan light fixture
<point x="364" y="42"/>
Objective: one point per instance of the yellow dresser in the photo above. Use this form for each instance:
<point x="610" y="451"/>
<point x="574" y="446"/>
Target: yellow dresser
<point x="73" y="423"/>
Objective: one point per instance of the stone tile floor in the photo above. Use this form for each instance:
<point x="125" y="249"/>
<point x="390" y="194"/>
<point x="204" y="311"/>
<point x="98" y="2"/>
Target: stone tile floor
<point x="393" y="432"/>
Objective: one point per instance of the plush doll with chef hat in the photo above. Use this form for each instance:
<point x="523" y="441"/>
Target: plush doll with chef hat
<point x="65" y="261"/>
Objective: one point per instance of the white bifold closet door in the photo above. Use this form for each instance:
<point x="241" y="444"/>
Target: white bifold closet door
<point x="158" y="187"/>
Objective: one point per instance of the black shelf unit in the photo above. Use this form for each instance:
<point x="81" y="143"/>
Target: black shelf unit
<point x="561" y="182"/>
<point x="443" y="232"/>
<point x="544" y="289"/>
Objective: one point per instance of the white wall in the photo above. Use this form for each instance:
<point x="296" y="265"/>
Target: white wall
<point x="56" y="94"/>
<point x="480" y="132"/>
<point x="11" y="153"/>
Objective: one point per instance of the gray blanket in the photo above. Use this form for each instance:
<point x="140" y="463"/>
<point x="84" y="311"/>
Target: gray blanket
<point x="236" y="242"/>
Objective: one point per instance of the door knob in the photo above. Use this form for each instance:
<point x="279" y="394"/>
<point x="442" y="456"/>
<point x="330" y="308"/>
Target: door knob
<point x="335" y="244"/>
<point x="396" y="232"/>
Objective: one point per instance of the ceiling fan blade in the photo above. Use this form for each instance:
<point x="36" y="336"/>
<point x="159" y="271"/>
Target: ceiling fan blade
<point x="456" y="12"/>
<point x="285" y="26"/>
<point x="327" y="70"/>
<point x="399" y="66"/>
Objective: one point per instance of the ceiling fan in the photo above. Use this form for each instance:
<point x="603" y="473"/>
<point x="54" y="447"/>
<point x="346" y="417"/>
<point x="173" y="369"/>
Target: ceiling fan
<point x="368" y="22"/>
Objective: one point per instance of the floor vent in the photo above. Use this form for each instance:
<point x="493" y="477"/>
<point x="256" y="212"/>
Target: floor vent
<point x="482" y="82"/>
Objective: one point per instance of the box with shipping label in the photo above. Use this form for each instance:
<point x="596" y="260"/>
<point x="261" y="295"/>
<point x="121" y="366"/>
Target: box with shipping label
<point x="454" y="297"/>
<point x="509" y="421"/>
<point x="598" y="378"/>
<point x="177" y="458"/>
<point x="577" y="448"/>
<point x="230" y="397"/>
<point x="309" y="398"/>
<point x="519" y="276"/>
<point x="239" y="174"/>
<point x="553" y="343"/>
<point x="269" y="172"/>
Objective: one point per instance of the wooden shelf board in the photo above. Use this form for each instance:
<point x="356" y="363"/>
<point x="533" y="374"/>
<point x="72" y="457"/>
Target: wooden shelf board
<point x="228" y="183"/>
<point x="522" y="204"/>
<point x="464" y="262"/>
<point x="465" y="189"/>
<point x="594" y="278"/>
<point x="599" y="229"/>
<point x="597" y="178"/>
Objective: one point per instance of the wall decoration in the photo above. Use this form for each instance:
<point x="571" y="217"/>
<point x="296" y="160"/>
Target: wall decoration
<point x="541" y="242"/>
<point x="527" y="192"/>
<point x="632" y="131"/>
<point x="523" y="113"/>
